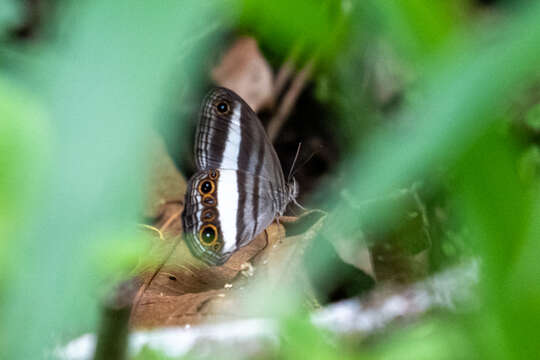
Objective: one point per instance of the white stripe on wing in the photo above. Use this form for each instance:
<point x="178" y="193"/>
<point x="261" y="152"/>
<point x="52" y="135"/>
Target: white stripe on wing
<point x="228" y="185"/>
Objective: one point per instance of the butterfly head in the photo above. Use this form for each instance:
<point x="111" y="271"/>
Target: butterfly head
<point x="293" y="189"/>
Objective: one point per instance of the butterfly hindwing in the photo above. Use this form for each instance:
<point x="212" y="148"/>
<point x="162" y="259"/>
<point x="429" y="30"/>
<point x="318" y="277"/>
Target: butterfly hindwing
<point x="235" y="218"/>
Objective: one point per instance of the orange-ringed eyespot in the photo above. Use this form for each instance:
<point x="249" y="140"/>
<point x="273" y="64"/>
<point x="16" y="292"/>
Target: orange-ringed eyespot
<point x="208" y="200"/>
<point x="222" y="107"/>
<point x="208" y="215"/>
<point x="206" y="187"/>
<point x="213" y="174"/>
<point x="208" y="235"/>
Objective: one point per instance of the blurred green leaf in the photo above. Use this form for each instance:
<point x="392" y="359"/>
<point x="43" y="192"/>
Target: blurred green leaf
<point x="532" y="118"/>
<point x="149" y="354"/>
<point x="522" y="310"/>
<point x="303" y="340"/>
<point x="417" y="27"/>
<point x="529" y="165"/>
<point x="430" y="339"/>
<point x="496" y="207"/>
<point x="116" y="260"/>
<point x="24" y="151"/>
<point x="302" y="26"/>
<point x="10" y="11"/>
<point x="102" y="81"/>
<point x="446" y="119"/>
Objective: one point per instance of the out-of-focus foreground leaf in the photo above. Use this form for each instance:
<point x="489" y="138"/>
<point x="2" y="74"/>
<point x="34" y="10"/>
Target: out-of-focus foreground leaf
<point x="23" y="154"/>
<point x="102" y="83"/>
<point x="310" y="27"/>
<point x="465" y="85"/>
<point x="9" y="11"/>
<point x="476" y="74"/>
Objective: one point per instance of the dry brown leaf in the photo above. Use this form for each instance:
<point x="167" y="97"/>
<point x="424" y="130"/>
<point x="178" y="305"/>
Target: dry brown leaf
<point x="277" y="267"/>
<point x="185" y="284"/>
<point x="284" y="258"/>
<point x="184" y="291"/>
<point x="244" y="70"/>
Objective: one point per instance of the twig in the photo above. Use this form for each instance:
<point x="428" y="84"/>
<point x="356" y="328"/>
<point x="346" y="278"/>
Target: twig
<point x="383" y="307"/>
<point x="287" y="104"/>
<point x="140" y="292"/>
<point x="113" y="333"/>
<point x="154" y="229"/>
<point x="171" y="218"/>
<point x="284" y="74"/>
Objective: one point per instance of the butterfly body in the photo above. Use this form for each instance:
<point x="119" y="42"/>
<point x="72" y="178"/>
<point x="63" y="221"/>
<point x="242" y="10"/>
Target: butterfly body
<point x="239" y="188"/>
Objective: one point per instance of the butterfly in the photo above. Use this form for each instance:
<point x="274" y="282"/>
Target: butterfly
<point x="239" y="187"/>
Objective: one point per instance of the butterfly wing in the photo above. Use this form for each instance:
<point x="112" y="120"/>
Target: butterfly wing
<point x="234" y="139"/>
<point x="218" y="219"/>
<point x="250" y="188"/>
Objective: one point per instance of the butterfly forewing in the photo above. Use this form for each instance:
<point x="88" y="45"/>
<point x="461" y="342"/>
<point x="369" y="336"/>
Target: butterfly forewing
<point x="234" y="139"/>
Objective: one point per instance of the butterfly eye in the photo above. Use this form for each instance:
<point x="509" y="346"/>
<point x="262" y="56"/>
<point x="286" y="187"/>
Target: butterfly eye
<point x="222" y="107"/>
<point x="206" y="187"/>
<point x="208" y="235"/>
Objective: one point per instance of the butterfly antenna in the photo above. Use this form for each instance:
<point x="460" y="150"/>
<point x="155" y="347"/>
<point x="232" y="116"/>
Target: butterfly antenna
<point x="295" y="202"/>
<point x="294" y="161"/>
<point x="305" y="162"/>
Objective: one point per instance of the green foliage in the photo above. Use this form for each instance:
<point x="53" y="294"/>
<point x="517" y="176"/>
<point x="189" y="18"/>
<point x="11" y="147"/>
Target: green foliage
<point x="148" y="354"/>
<point x="431" y="339"/>
<point x="454" y="121"/>
<point x="498" y="214"/>
<point x="302" y="339"/>
<point x="23" y="151"/>
<point x="9" y="15"/>
<point x="532" y="118"/>
<point x="101" y="80"/>
<point x="304" y="28"/>
<point x="530" y="163"/>
<point x="418" y="27"/>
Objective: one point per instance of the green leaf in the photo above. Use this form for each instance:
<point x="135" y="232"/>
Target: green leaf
<point x="532" y="118"/>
